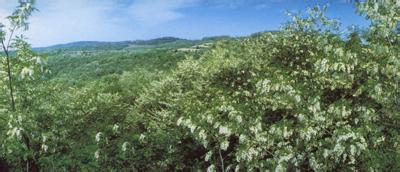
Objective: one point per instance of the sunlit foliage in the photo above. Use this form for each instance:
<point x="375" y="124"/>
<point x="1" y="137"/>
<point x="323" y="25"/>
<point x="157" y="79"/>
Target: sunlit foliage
<point x="305" y="98"/>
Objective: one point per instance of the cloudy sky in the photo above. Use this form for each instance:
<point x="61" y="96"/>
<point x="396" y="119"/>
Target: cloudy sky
<point x="62" y="21"/>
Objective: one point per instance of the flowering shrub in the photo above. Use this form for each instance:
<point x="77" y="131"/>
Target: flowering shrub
<point x="297" y="99"/>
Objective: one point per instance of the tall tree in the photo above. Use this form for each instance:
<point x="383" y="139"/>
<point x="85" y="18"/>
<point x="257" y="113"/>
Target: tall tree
<point x="18" y="21"/>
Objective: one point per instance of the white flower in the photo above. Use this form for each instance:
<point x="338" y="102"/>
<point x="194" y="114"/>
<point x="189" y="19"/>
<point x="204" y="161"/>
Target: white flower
<point x="142" y="136"/>
<point x="286" y="133"/>
<point x="115" y="128"/>
<point x="353" y="150"/>
<point x="211" y="168"/>
<point x="239" y="119"/>
<point x="15" y="132"/>
<point x="285" y="158"/>
<point x="179" y="122"/>
<point x="45" y="147"/>
<point x="26" y="72"/>
<point x="323" y="64"/>
<point x="237" y="168"/>
<point x="97" y="154"/>
<point x="208" y="156"/>
<point x="202" y="135"/>
<point x="263" y="86"/>
<point x="326" y="153"/>
<point x="297" y="98"/>
<point x="242" y="138"/>
<point x="125" y="146"/>
<point x="224" y="145"/>
<point x="98" y="136"/>
<point x="192" y="128"/>
<point x="381" y="139"/>
<point x="378" y="89"/>
<point x="225" y="131"/>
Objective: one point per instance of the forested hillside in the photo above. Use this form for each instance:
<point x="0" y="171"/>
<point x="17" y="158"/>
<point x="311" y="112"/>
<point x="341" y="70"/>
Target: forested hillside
<point x="308" y="97"/>
<point x="81" y="62"/>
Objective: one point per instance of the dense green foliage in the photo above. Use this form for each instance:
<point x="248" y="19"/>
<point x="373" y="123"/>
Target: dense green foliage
<point x="303" y="98"/>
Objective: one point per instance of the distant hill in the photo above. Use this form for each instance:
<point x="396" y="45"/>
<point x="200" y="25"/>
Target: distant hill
<point x="78" y="44"/>
<point x="216" y="38"/>
<point x="104" y="46"/>
<point x="137" y="45"/>
<point x="162" y="40"/>
<point x="86" y="45"/>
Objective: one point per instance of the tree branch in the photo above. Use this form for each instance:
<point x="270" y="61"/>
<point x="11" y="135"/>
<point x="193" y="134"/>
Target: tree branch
<point x="10" y="38"/>
<point x="222" y="160"/>
<point x="10" y="85"/>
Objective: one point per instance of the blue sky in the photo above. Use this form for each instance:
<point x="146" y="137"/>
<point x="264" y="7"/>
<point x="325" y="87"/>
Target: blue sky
<point x="62" y="21"/>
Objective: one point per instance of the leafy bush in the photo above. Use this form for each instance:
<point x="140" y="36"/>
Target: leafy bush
<point x="295" y="99"/>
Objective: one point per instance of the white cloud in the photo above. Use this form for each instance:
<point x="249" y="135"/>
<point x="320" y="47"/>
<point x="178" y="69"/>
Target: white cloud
<point x="61" y="21"/>
<point x="155" y="12"/>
